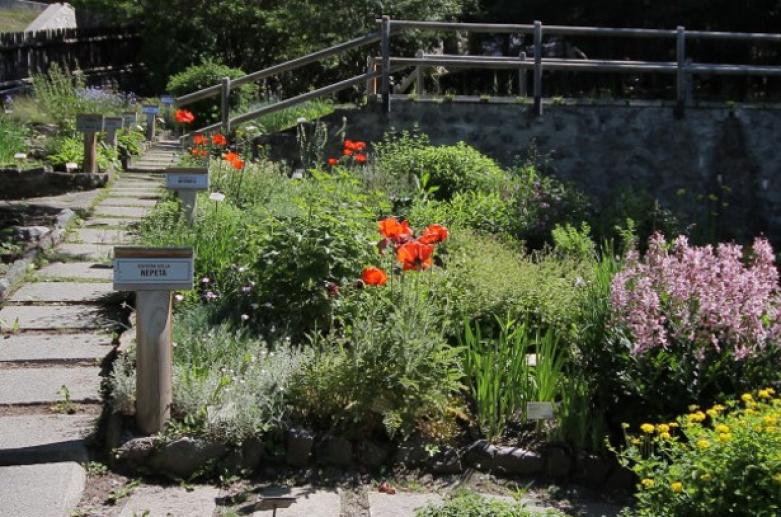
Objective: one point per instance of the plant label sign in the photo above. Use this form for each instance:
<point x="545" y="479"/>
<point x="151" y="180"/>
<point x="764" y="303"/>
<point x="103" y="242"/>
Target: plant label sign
<point x="167" y="100"/>
<point x="131" y="119"/>
<point x="89" y="123"/>
<point x="539" y="410"/>
<point x="153" y="269"/>
<point x="113" y="123"/>
<point x="151" y="109"/>
<point x="187" y="179"/>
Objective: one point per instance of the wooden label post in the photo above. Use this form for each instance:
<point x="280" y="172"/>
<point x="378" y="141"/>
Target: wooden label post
<point x="111" y="125"/>
<point x="151" y="111"/>
<point x="187" y="183"/>
<point x="90" y="125"/>
<point x="153" y="273"/>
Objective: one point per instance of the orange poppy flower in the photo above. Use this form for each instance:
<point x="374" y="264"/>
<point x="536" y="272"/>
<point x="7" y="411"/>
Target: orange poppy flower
<point x="359" y="146"/>
<point x="347" y="152"/>
<point x="184" y="116"/>
<point x="219" y="139"/>
<point x="238" y="164"/>
<point x="360" y="158"/>
<point x="374" y="276"/>
<point x="415" y="255"/>
<point x="349" y="144"/>
<point x="391" y="228"/>
<point x="195" y="152"/>
<point x="199" y="140"/>
<point x="230" y="156"/>
<point x="332" y="161"/>
<point x="434" y="234"/>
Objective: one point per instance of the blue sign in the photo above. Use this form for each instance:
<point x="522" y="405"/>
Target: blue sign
<point x="167" y="100"/>
<point x="150" y="108"/>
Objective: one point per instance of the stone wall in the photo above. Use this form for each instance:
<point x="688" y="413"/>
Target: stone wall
<point x="721" y="164"/>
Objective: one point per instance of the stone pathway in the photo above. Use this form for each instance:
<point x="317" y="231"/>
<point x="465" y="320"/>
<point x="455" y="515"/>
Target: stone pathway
<point x="57" y="331"/>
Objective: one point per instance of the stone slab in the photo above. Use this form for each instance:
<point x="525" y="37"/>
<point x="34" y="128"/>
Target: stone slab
<point x="85" y="270"/>
<point x="98" y="236"/>
<point x="164" y="501"/>
<point x="121" y="211"/>
<point x="153" y="194"/>
<point x="102" y="222"/>
<point x="309" y="503"/>
<point x="62" y="292"/>
<point x="52" y="317"/>
<point x="126" y="201"/>
<point x="46" y="490"/>
<point x="28" y="439"/>
<point x="401" y="504"/>
<point x="54" y="347"/>
<point x="86" y="251"/>
<point x="41" y="385"/>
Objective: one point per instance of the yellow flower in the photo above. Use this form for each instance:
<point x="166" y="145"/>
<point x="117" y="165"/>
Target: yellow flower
<point x="721" y="428"/>
<point x="694" y="407"/>
<point x="699" y="416"/>
<point x="703" y="444"/>
<point x="746" y="397"/>
<point x="663" y="428"/>
<point x="763" y="394"/>
<point x="718" y="408"/>
<point x="712" y="413"/>
<point x="706" y="477"/>
<point x="665" y="436"/>
<point x="725" y="437"/>
<point x="676" y="486"/>
<point x="647" y="483"/>
<point x="647" y="428"/>
<point x="673" y="425"/>
<point x="771" y="429"/>
<point x="770" y="419"/>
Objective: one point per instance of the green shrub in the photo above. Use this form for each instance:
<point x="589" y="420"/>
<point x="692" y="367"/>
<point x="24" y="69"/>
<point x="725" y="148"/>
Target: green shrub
<point x="12" y="139"/>
<point x="71" y="149"/>
<point x="389" y="368"/>
<point x="468" y="504"/>
<point x="208" y="73"/>
<point x="450" y="168"/>
<point x="723" y="461"/>
<point x="485" y="212"/>
<point x="131" y="140"/>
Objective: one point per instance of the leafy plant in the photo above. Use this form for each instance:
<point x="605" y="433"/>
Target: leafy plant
<point x="12" y="139"/>
<point x="470" y="504"/>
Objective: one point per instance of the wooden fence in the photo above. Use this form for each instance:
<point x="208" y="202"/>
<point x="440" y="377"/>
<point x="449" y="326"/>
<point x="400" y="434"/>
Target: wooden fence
<point x="92" y="51"/>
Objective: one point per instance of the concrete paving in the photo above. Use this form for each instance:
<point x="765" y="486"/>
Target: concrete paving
<point x="45" y="347"/>
<point x="127" y="201"/>
<point x="47" y="318"/>
<point x="27" y="439"/>
<point x="86" y="251"/>
<point x="400" y="504"/>
<point x="163" y="501"/>
<point x="121" y="211"/>
<point x="135" y="193"/>
<point x="44" y="385"/>
<point x="62" y="292"/>
<point x="309" y="503"/>
<point x="45" y="490"/>
<point x="115" y="222"/>
<point x="76" y="270"/>
<point x="99" y="236"/>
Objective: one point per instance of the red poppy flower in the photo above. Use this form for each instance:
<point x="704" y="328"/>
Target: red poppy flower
<point x="230" y="156"/>
<point x="196" y="152"/>
<point x="219" y="139"/>
<point x="332" y="161"/>
<point x="415" y="255"/>
<point x="184" y="117"/>
<point x="359" y="146"/>
<point x="391" y="228"/>
<point x="434" y="234"/>
<point x="204" y="153"/>
<point x="349" y="144"/>
<point x="238" y="164"/>
<point x="360" y="158"/>
<point x="374" y="276"/>
<point x="199" y="140"/>
<point x="347" y="152"/>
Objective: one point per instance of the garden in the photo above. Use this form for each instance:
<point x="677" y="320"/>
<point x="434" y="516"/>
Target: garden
<point x="409" y="306"/>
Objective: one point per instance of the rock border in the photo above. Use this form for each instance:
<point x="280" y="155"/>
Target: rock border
<point x="43" y="181"/>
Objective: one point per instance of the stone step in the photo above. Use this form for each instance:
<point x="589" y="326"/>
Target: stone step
<point x="152" y="500"/>
<point x="143" y="176"/>
<point x="98" y="236"/>
<point x="23" y="386"/>
<point x="400" y="504"/>
<point x="103" y="222"/>
<point x="127" y="201"/>
<point x="151" y="194"/>
<point x="45" y="490"/>
<point x="86" y="251"/>
<point x="64" y="292"/>
<point x="42" y="438"/>
<point x="53" y="317"/>
<point x="310" y="502"/>
<point x="76" y="270"/>
<point x="121" y="211"/>
<point x="45" y="347"/>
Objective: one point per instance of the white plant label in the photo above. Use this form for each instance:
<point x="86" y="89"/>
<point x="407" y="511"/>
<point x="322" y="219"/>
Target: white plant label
<point x="152" y="273"/>
<point x="539" y="410"/>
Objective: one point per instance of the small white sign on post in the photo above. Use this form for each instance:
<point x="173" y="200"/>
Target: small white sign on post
<point x="539" y="411"/>
<point x="90" y="124"/>
<point x="111" y="125"/>
<point x="153" y="273"/>
<point x="186" y="183"/>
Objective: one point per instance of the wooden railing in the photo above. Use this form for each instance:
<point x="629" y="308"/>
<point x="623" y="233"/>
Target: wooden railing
<point x="381" y="66"/>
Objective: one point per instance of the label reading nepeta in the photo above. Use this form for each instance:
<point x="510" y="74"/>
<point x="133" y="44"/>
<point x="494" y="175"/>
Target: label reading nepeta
<point x="151" y="269"/>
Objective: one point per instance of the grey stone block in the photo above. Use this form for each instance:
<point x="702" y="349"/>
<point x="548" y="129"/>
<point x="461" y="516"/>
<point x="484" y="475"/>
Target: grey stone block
<point x="45" y="347"/>
<point x="26" y="439"/>
<point x="43" y="385"/>
<point x="45" y="490"/>
<point x="62" y="292"/>
<point x="183" y="457"/>
<point x="81" y="270"/>
<point x="52" y="317"/>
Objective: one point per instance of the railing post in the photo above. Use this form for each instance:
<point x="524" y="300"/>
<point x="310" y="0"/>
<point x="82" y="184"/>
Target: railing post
<point x="371" y="84"/>
<point x="385" y="49"/>
<point x="419" y="86"/>
<point x="225" y="110"/>
<point x="523" y="89"/>
<point x="680" y="76"/>
<point x="537" y="68"/>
